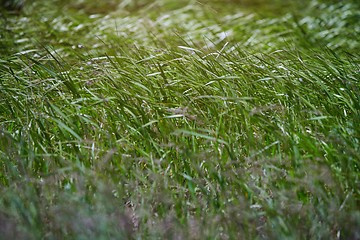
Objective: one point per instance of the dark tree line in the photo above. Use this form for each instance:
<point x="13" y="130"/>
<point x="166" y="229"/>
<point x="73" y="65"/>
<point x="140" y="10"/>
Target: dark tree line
<point x="12" y="5"/>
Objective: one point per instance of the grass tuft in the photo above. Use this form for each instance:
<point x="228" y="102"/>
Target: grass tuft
<point x="155" y="119"/>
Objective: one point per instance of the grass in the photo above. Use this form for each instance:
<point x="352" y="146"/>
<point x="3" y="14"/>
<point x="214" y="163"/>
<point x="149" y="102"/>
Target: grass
<point x="156" y="119"/>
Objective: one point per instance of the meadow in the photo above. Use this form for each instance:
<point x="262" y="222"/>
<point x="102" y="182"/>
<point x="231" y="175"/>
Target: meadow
<point x="161" y="119"/>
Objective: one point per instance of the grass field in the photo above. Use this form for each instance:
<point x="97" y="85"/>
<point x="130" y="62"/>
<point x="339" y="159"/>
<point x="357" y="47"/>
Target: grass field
<point x="161" y="119"/>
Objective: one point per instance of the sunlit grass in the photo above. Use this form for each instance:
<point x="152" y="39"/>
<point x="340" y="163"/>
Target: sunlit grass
<point x="161" y="120"/>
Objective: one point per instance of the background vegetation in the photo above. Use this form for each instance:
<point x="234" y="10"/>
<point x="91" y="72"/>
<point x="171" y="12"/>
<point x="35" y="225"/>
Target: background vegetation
<point x="180" y="120"/>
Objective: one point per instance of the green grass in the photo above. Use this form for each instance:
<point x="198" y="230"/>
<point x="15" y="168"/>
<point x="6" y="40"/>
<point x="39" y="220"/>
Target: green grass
<point x="192" y="120"/>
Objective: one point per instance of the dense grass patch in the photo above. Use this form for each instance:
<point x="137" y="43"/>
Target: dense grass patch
<point x="156" y="119"/>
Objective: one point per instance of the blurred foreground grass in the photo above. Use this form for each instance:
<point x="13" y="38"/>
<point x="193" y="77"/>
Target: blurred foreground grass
<point x="191" y="120"/>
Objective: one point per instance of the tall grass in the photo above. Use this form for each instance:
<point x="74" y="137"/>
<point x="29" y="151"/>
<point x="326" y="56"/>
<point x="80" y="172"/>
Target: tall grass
<point x="189" y="121"/>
